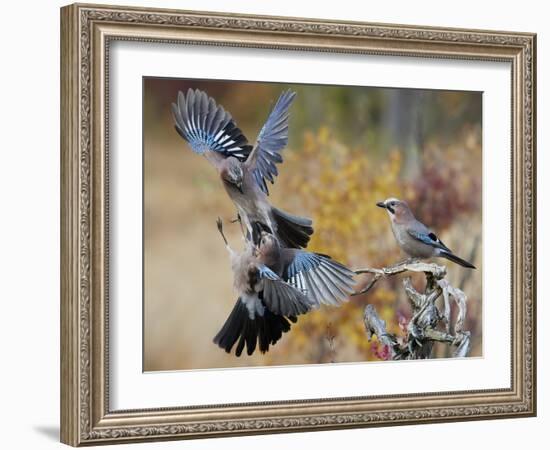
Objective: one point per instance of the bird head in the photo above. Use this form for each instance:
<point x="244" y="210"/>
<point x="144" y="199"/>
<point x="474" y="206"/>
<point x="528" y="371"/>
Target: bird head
<point x="268" y="245"/>
<point x="232" y="172"/>
<point x="397" y="209"/>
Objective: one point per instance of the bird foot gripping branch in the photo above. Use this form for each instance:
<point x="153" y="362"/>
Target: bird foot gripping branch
<point x="422" y="329"/>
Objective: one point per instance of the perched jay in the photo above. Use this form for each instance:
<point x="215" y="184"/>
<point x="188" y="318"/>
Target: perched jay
<point x="243" y="169"/>
<point x="415" y="238"/>
<point x="276" y="284"/>
<point x="265" y="307"/>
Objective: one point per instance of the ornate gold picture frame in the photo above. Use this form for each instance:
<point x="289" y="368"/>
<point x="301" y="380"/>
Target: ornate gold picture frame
<point x="87" y="32"/>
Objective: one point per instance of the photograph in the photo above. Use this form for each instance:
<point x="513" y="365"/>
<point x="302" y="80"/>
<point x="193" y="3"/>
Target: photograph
<point x="294" y="224"/>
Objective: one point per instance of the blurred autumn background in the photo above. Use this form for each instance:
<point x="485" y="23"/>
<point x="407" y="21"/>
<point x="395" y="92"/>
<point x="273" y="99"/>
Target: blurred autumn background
<point x="349" y="147"/>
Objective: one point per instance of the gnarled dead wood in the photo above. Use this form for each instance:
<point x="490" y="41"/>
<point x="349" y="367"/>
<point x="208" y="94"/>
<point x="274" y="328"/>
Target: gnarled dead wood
<point x="422" y="329"/>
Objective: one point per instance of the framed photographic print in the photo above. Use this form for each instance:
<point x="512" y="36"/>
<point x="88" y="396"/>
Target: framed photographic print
<point x="277" y="225"/>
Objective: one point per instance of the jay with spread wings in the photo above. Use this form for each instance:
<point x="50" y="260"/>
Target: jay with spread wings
<point x="243" y="169"/>
<point x="274" y="285"/>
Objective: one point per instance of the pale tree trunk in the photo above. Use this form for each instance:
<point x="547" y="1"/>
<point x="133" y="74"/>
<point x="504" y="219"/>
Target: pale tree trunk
<point x="404" y="124"/>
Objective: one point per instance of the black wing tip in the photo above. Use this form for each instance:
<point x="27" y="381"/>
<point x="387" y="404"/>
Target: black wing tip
<point x="456" y="259"/>
<point x="290" y="94"/>
<point x="284" y="101"/>
<point x="180" y="131"/>
<point x="192" y="93"/>
<point x="469" y="265"/>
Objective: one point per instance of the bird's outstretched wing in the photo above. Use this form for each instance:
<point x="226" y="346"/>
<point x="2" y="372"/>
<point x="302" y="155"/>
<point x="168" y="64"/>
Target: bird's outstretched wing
<point x="206" y="126"/>
<point x="282" y="298"/>
<point x="272" y="139"/>
<point x="324" y="280"/>
<point x="428" y="237"/>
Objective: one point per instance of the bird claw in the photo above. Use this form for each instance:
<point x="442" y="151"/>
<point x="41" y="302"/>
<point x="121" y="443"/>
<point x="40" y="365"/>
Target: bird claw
<point x="219" y="223"/>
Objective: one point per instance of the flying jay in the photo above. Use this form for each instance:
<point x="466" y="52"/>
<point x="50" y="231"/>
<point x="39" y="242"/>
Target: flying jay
<point x="415" y="238"/>
<point x="243" y="169"/>
<point x="324" y="280"/>
<point x="274" y="285"/>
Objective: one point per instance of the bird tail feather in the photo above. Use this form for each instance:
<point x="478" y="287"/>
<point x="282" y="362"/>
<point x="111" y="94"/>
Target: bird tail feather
<point x="293" y="231"/>
<point x="452" y="257"/>
<point x="240" y="329"/>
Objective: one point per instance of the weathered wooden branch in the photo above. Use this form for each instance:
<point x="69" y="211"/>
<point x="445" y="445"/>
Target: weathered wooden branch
<point x="376" y="326"/>
<point x="410" y="265"/>
<point x="422" y="329"/>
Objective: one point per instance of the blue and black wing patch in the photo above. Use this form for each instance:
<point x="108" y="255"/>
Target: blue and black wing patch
<point x="429" y="238"/>
<point x="206" y="126"/>
<point x="272" y="138"/>
<point x="323" y="279"/>
<point x="281" y="297"/>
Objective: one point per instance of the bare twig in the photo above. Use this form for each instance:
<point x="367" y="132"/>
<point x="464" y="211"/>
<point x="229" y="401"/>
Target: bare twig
<point x="411" y="266"/>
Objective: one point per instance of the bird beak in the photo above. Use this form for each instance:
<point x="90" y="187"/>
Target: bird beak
<point x="381" y="205"/>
